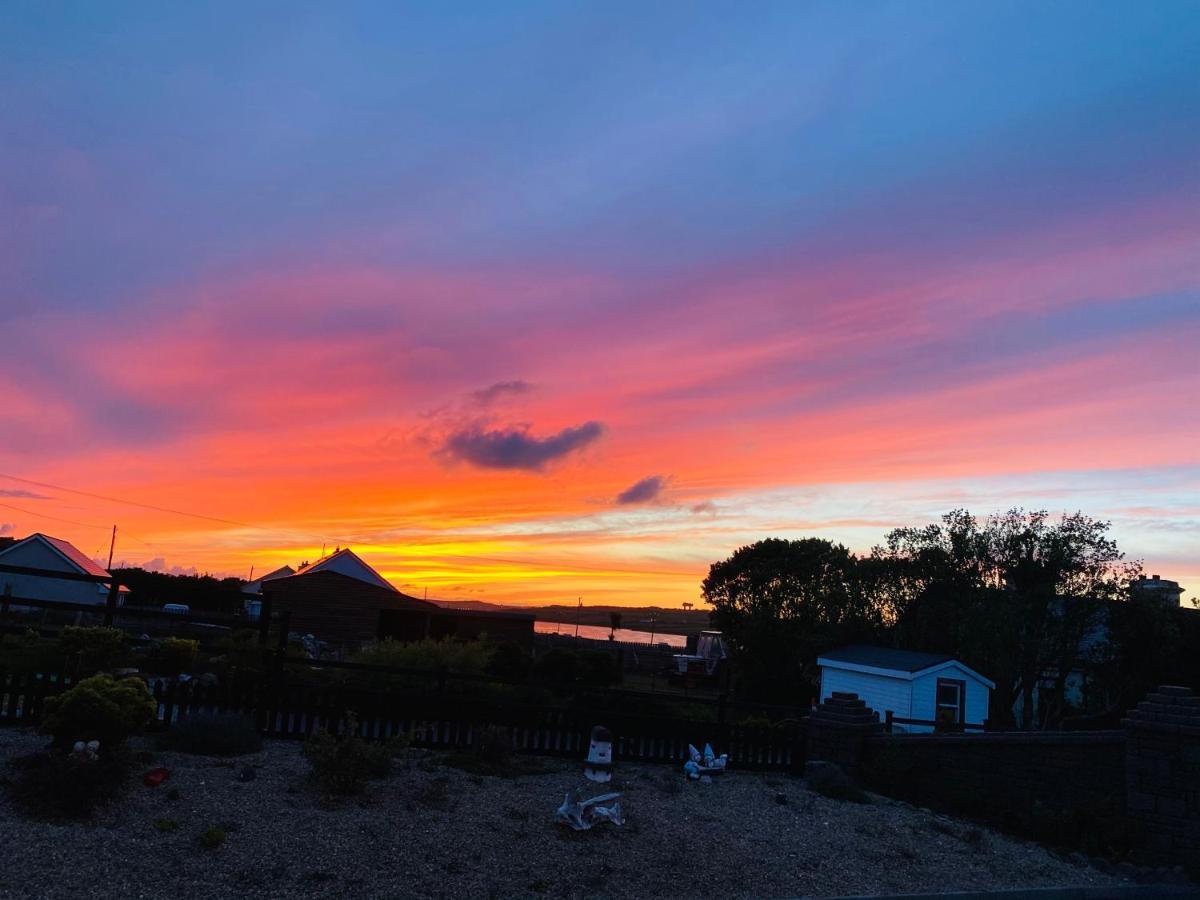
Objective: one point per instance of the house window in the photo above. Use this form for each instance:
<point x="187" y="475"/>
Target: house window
<point x="951" y="702"/>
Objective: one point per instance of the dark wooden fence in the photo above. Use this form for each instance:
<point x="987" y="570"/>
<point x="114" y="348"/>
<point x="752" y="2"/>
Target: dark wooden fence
<point x="891" y="720"/>
<point x="439" y="711"/>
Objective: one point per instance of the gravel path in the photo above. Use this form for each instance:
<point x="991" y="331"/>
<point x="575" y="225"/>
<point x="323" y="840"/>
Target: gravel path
<point x="433" y="831"/>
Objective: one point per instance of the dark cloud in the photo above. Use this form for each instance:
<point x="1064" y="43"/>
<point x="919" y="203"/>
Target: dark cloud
<point x="7" y="528"/>
<point x="706" y="507"/>
<point x="23" y="494"/>
<point x="486" y="396"/>
<point x="515" y="448"/>
<point x="644" y="491"/>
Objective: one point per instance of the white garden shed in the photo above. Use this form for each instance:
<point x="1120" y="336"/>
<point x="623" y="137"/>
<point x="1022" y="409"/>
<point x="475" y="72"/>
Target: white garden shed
<point x="921" y="690"/>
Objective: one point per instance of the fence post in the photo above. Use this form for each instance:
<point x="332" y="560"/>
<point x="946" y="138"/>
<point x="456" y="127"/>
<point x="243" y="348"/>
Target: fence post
<point x="110" y="607"/>
<point x="887" y="721"/>
<point x="7" y="598"/>
<point x="264" y="620"/>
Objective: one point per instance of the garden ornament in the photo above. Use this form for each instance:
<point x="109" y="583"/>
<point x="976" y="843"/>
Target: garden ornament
<point x="599" y="758"/>
<point x="583" y="814"/>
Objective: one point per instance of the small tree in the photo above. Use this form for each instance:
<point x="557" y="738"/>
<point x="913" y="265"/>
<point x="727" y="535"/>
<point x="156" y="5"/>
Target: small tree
<point x="614" y="622"/>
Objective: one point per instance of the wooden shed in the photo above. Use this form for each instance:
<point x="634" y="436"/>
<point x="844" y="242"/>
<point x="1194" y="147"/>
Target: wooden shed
<point x="921" y="691"/>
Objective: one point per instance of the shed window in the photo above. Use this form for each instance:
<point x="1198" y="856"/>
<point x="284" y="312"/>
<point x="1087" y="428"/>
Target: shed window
<point x="951" y="701"/>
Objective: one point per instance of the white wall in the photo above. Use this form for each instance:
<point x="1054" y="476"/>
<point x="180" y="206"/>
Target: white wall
<point x="925" y="695"/>
<point x="37" y="555"/>
<point x="880" y="692"/>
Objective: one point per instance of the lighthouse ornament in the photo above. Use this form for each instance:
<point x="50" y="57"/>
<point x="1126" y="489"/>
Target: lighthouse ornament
<point x="599" y="758"/>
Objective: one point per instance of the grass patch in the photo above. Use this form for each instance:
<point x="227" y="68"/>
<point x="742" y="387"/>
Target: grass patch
<point x="166" y="825"/>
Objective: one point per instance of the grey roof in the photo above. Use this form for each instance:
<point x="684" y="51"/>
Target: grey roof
<point x="886" y="658"/>
<point x="65" y="549"/>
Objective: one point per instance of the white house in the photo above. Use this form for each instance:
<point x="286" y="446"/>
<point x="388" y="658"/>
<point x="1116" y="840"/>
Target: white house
<point x="924" y="687"/>
<point x="41" y="551"/>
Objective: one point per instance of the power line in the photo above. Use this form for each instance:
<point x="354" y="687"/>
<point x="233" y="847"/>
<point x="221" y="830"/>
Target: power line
<point x="162" y="509"/>
<point x="307" y="536"/>
<point x="41" y="515"/>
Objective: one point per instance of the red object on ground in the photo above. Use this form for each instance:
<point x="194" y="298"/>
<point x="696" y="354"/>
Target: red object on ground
<point x="155" y="777"/>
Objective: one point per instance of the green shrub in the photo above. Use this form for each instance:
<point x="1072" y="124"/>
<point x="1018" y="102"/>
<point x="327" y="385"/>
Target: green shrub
<point x="99" y="708"/>
<point x="556" y="666"/>
<point x="30" y="652"/>
<point x="223" y="734"/>
<point x="212" y="838"/>
<point x="495" y="746"/>
<point x="171" y="656"/>
<point x="510" y="661"/>
<point x="58" y="785"/>
<point x="166" y="825"/>
<point x="587" y="668"/>
<point x="94" y="649"/>
<point x="459" y="657"/>
<point x="343" y="765"/>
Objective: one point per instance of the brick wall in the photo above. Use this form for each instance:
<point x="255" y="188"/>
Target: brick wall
<point x="1163" y="774"/>
<point x="1136" y="790"/>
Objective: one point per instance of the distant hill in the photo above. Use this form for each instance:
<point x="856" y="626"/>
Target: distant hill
<point x="667" y="621"/>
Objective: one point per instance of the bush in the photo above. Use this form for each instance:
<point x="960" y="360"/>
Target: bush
<point x="212" y="838"/>
<point x="99" y="708"/>
<point x="510" y="661"/>
<point x="30" y="652"/>
<point x="172" y="656"/>
<point x="344" y="765"/>
<point x="460" y="657"/>
<point x="65" y="786"/>
<point x="589" y="668"/>
<point x="830" y="781"/>
<point x="94" y="649"/>
<point x="495" y="746"/>
<point x="224" y="734"/>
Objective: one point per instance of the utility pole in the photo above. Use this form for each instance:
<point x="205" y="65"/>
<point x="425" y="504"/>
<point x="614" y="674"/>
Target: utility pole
<point x="111" y="545"/>
<point x="578" y="613"/>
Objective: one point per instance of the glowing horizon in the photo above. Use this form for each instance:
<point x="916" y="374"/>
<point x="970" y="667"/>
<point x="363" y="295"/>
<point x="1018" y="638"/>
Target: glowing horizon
<point x="528" y="307"/>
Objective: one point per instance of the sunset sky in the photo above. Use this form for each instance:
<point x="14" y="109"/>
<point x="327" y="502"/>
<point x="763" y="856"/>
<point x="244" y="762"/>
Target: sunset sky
<point x="530" y="302"/>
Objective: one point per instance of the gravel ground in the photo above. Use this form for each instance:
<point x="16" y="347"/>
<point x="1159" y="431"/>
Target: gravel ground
<point x="435" y="831"/>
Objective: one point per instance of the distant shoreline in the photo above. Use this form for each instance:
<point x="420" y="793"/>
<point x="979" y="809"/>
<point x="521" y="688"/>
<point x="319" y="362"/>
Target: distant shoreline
<point x="657" y="619"/>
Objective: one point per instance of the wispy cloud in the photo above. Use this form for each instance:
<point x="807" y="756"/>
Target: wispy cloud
<point x="646" y="490"/>
<point x="489" y="395"/>
<point x="516" y="448"/>
<point x="23" y="494"/>
<point x="6" y="528"/>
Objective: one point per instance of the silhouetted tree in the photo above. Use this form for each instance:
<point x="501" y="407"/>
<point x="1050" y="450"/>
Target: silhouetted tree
<point x="780" y="603"/>
<point x="1023" y="598"/>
